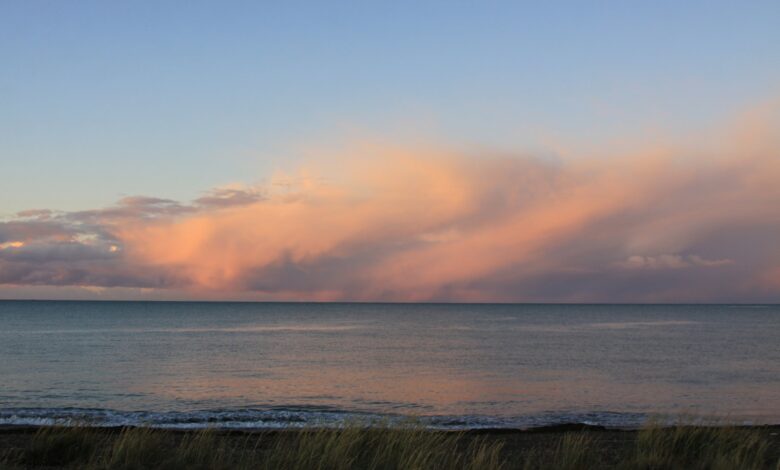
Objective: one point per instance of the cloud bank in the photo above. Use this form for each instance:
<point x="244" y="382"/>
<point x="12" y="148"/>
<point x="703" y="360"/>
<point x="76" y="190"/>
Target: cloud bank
<point x="685" y="222"/>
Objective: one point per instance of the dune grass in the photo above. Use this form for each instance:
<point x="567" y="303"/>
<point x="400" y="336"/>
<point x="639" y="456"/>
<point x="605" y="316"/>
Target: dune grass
<point x="379" y="448"/>
<point x="383" y="448"/>
<point x="57" y="447"/>
<point x="701" y="447"/>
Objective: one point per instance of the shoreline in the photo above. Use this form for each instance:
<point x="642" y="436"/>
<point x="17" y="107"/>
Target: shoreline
<point x="553" y="428"/>
<point x="548" y="428"/>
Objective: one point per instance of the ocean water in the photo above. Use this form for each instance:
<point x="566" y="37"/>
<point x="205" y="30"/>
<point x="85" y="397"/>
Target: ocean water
<point x="270" y="365"/>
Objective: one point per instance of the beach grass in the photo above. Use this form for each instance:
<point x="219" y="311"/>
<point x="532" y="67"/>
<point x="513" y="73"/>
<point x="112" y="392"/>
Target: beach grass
<point x="388" y="448"/>
<point x="701" y="447"/>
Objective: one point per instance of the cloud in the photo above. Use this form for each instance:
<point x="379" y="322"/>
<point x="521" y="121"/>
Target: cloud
<point x="11" y="245"/>
<point x="668" y="261"/>
<point x="230" y="197"/>
<point x="691" y="221"/>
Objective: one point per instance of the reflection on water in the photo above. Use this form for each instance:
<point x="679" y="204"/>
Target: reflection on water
<point x="238" y="329"/>
<point x="497" y="363"/>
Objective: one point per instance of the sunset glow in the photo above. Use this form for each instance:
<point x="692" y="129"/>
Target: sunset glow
<point x="503" y="153"/>
<point x="352" y="235"/>
<point x="685" y="221"/>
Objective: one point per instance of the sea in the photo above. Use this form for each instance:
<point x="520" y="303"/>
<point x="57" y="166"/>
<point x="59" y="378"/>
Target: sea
<point x="443" y="366"/>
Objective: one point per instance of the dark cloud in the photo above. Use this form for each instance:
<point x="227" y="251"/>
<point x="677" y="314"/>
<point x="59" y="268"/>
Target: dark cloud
<point x="97" y="274"/>
<point x="225" y="197"/>
<point x="25" y="230"/>
<point x="46" y="252"/>
<point x="44" y="247"/>
<point x="40" y="214"/>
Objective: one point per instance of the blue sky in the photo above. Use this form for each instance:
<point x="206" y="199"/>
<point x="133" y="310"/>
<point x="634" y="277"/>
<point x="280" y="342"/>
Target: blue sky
<point x="654" y="191"/>
<point x="104" y="99"/>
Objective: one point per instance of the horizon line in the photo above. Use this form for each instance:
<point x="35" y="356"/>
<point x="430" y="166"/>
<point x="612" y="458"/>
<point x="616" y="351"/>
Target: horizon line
<point x="356" y="302"/>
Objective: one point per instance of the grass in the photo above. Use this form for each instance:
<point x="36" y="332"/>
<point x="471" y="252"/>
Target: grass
<point x="380" y="449"/>
<point x="376" y="448"/>
<point x="385" y="448"/>
<point x="687" y="447"/>
<point x="58" y="447"/>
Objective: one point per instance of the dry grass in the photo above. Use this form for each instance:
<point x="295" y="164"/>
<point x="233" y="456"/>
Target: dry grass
<point x="701" y="447"/>
<point x="382" y="448"/>
<point x="58" y="447"/>
<point x="377" y="448"/>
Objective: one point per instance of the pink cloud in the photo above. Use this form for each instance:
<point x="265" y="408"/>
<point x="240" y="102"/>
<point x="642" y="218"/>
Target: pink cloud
<point x="392" y="223"/>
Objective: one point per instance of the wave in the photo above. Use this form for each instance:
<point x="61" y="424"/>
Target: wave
<point x="299" y="417"/>
<point x="620" y="325"/>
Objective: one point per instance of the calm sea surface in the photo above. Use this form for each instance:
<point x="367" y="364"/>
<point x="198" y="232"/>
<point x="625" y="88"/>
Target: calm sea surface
<point x="451" y="366"/>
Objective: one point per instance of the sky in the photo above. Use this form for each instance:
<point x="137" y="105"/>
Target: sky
<point x="393" y="151"/>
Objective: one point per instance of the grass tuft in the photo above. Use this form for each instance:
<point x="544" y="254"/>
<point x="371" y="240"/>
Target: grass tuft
<point x="59" y="446"/>
<point x="576" y="451"/>
<point x="700" y="447"/>
<point x="380" y="448"/>
<point x="388" y="448"/>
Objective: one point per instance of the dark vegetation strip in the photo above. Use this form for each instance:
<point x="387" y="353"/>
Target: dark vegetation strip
<point x="384" y="448"/>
